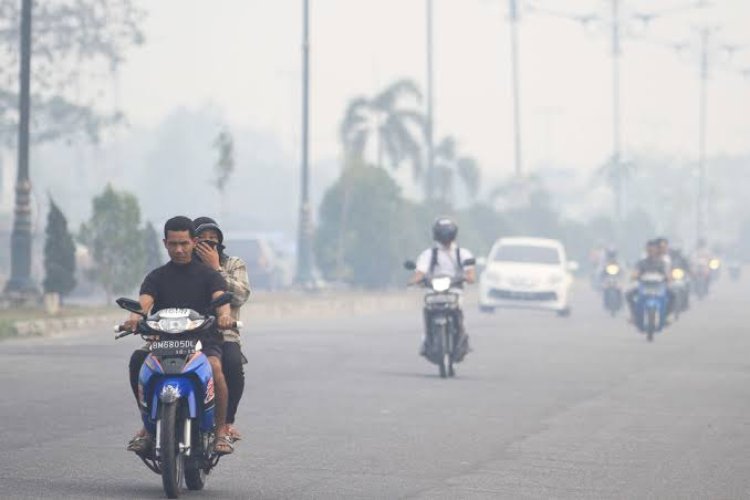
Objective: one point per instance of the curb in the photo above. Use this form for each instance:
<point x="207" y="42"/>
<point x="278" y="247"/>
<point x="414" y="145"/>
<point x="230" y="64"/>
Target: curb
<point x="277" y="308"/>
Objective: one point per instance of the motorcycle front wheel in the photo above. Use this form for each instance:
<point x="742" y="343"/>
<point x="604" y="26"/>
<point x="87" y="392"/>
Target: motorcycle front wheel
<point x="169" y="453"/>
<point x="651" y="328"/>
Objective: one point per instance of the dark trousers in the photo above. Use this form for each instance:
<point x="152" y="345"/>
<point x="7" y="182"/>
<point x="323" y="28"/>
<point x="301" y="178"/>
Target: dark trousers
<point x="231" y="362"/>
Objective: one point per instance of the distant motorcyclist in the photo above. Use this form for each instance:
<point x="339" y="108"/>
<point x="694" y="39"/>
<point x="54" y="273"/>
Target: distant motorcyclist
<point x="445" y="258"/>
<point x="665" y="253"/>
<point x="611" y="258"/>
<point x="654" y="262"/>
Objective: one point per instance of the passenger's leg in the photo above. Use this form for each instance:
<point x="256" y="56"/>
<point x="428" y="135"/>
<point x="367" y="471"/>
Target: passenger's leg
<point x="223" y="445"/>
<point x="234" y="375"/>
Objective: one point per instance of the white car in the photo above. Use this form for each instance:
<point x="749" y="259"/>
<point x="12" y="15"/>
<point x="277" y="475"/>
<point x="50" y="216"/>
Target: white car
<point x="530" y="273"/>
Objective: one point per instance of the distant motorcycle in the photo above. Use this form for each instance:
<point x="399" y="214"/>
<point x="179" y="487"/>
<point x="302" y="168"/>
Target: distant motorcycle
<point x="651" y="304"/>
<point x="681" y="291"/>
<point x="176" y="395"/>
<point x="442" y="304"/>
<point x="611" y="289"/>
<point x="701" y="278"/>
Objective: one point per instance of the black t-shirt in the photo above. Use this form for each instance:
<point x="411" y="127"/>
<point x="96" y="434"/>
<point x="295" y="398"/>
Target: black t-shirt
<point x="649" y="265"/>
<point x="188" y="286"/>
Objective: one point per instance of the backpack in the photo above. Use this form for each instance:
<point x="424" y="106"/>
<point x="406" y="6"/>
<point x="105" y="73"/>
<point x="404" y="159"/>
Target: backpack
<point x="434" y="259"/>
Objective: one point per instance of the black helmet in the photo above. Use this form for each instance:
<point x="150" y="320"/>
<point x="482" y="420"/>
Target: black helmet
<point x="206" y="223"/>
<point x="444" y="231"/>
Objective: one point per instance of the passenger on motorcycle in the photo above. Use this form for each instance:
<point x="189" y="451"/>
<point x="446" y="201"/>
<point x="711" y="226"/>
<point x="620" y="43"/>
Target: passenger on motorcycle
<point x="210" y="251"/>
<point x="653" y="263"/>
<point x="185" y="282"/>
<point x="445" y="258"/>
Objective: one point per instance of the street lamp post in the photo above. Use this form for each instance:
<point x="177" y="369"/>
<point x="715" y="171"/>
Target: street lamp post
<point x="701" y="199"/>
<point x="304" y="240"/>
<point x="20" y="283"/>
<point x="513" y="16"/>
<point x="429" y="130"/>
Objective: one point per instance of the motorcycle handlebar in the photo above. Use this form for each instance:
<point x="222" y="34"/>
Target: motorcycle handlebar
<point x="120" y="332"/>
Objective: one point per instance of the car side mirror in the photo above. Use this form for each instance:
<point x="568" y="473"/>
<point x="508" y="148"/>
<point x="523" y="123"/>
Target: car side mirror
<point x="130" y="305"/>
<point x="481" y="261"/>
<point x="222" y="300"/>
<point x="469" y="262"/>
<point x="410" y="265"/>
<point x="573" y="266"/>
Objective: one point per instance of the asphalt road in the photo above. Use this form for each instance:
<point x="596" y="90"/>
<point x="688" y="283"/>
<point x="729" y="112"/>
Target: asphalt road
<point x="544" y="407"/>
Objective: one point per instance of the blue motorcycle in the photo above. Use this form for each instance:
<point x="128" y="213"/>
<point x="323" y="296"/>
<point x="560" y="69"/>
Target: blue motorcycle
<point x="651" y="304"/>
<point x="176" y="395"/>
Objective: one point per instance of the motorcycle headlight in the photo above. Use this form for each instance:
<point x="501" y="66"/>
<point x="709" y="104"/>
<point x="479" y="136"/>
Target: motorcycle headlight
<point x="175" y="325"/>
<point x="612" y="269"/>
<point x="714" y="264"/>
<point x="678" y="274"/>
<point x="441" y="284"/>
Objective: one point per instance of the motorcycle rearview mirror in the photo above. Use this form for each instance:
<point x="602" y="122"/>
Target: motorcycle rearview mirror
<point x="410" y="265"/>
<point x="130" y="305"/>
<point x="222" y="300"/>
<point x="469" y="262"/>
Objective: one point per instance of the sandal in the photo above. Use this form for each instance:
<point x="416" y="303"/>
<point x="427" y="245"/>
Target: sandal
<point x="141" y="445"/>
<point x="233" y="433"/>
<point x="223" y="445"/>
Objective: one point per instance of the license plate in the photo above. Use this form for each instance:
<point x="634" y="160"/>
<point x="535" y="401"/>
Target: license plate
<point x="173" y="347"/>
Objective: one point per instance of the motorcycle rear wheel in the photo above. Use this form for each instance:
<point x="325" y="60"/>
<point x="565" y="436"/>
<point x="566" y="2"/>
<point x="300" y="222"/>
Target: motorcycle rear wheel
<point x="171" y="458"/>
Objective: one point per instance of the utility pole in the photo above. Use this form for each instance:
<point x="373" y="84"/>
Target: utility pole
<point x="617" y="174"/>
<point x="304" y="240"/>
<point x="429" y="130"/>
<point x="701" y="198"/>
<point x="513" y="16"/>
<point x="20" y="283"/>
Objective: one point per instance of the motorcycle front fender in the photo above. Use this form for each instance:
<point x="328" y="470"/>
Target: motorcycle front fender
<point x="169" y="389"/>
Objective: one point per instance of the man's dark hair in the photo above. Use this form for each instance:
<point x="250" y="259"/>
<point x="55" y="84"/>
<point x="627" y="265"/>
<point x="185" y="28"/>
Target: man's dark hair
<point x="180" y="223"/>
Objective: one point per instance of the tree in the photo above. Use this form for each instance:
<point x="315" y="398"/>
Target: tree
<point x="449" y="165"/>
<point x="112" y="235"/>
<point x="59" y="254"/>
<point x="71" y="40"/>
<point x="224" y="167"/>
<point x="398" y="129"/>
<point x="224" y="145"/>
<point x="152" y="248"/>
<point x="377" y="233"/>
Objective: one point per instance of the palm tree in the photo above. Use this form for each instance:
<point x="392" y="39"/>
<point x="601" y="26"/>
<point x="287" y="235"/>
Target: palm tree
<point x="449" y="165"/>
<point x="396" y="128"/>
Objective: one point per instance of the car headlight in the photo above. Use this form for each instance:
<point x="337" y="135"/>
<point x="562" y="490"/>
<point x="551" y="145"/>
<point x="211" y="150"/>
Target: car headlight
<point x="612" y="269"/>
<point x="678" y="274"/>
<point x="556" y="279"/>
<point x="714" y="264"/>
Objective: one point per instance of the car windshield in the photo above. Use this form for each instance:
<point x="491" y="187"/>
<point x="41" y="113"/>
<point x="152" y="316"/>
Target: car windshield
<point x="527" y="254"/>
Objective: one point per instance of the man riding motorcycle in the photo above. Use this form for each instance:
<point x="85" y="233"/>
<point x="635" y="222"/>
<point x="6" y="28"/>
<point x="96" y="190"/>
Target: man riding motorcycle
<point x="445" y="258"/>
<point x="609" y="275"/>
<point x="185" y="282"/>
<point x="654" y="262"/>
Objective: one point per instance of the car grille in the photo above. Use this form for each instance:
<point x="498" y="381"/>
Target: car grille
<point x="530" y="296"/>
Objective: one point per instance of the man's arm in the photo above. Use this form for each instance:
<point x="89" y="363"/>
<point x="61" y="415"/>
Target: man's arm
<point x="223" y="315"/>
<point x="147" y="303"/>
<point x="471" y="275"/>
